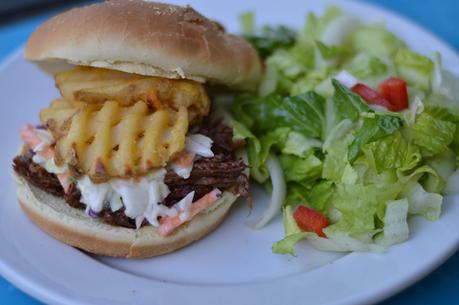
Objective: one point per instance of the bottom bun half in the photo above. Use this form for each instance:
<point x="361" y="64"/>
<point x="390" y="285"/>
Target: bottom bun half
<point x="72" y="226"/>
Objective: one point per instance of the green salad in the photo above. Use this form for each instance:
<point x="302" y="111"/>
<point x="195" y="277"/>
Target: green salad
<point x="351" y="131"/>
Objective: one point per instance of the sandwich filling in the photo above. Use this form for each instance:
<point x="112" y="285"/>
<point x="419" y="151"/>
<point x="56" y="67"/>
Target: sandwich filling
<point x="92" y="152"/>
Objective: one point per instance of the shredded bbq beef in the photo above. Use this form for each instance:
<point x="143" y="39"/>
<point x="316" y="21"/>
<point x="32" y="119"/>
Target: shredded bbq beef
<point x="223" y="171"/>
<point x="117" y="218"/>
<point x="37" y="175"/>
<point x="72" y="197"/>
<point x="208" y="173"/>
<point x="222" y="135"/>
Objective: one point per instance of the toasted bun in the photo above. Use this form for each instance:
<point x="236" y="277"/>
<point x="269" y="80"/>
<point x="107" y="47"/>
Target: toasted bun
<point x="146" y="38"/>
<point x="74" y="227"/>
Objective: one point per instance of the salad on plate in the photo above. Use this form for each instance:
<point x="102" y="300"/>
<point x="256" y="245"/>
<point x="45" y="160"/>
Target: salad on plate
<point x="351" y="131"/>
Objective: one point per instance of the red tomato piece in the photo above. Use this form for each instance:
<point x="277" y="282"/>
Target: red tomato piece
<point x="371" y="96"/>
<point x="395" y="91"/>
<point x="310" y="220"/>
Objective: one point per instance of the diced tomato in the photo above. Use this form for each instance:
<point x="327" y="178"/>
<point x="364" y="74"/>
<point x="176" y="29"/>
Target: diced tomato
<point x="395" y="91"/>
<point x="168" y="224"/>
<point x="310" y="220"/>
<point x="371" y="96"/>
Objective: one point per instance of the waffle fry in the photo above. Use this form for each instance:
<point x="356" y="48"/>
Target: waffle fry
<point x="105" y="140"/>
<point x="57" y="115"/>
<point x="95" y="85"/>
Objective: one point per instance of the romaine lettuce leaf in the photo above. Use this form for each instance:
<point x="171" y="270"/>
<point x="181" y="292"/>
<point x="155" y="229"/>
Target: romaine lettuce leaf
<point x="273" y="139"/>
<point x="392" y="152"/>
<point x="330" y="52"/>
<point x="447" y="114"/>
<point x="442" y="113"/>
<point x="240" y="131"/>
<point x="448" y="103"/>
<point x="290" y="226"/>
<point x="348" y="104"/>
<point x="413" y="67"/>
<point x="320" y="195"/>
<point x="432" y="135"/>
<point x="309" y="82"/>
<point x="339" y="241"/>
<point x="291" y="64"/>
<point x="288" y="244"/>
<point x="365" y="67"/>
<point x="253" y="147"/>
<point x="359" y="204"/>
<point x="335" y="241"/>
<point x="372" y="129"/>
<point x="336" y="157"/>
<point x="238" y="109"/>
<point x="421" y="202"/>
<point x="301" y="169"/>
<point x="444" y="164"/>
<point x="315" y="25"/>
<point x="259" y="150"/>
<point x="300" y="146"/>
<point x="269" y="38"/>
<point x="375" y="126"/>
<point x="375" y="41"/>
<point x="316" y="194"/>
<point x="409" y="115"/>
<point x="269" y="81"/>
<point x="296" y="193"/>
<point x="303" y="113"/>
<point x="331" y="29"/>
<point x="337" y="133"/>
<point x="395" y="223"/>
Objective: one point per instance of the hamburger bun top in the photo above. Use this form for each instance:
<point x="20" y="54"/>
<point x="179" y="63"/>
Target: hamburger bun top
<point x="146" y="38"/>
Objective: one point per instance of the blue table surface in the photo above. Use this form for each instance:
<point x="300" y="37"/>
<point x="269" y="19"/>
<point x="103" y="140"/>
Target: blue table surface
<point x="439" y="16"/>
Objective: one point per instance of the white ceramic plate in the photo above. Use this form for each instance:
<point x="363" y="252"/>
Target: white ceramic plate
<point x="234" y="265"/>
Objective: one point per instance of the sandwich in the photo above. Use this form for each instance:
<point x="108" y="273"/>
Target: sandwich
<point x="131" y="161"/>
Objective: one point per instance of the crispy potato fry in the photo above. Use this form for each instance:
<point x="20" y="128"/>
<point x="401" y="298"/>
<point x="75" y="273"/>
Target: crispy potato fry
<point x="116" y="124"/>
<point x="95" y="85"/>
<point x="129" y="130"/>
<point x="150" y="145"/>
<point x="57" y="116"/>
<point x="105" y="140"/>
